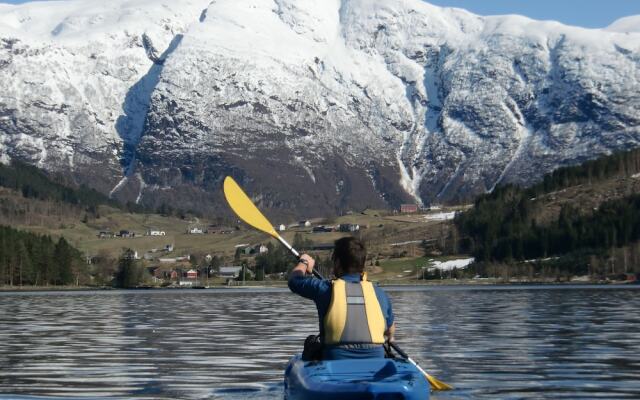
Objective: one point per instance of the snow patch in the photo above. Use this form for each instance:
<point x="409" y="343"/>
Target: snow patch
<point x="143" y="185"/>
<point x="119" y="186"/>
<point x="441" y="216"/>
<point x="299" y="160"/>
<point x="460" y="263"/>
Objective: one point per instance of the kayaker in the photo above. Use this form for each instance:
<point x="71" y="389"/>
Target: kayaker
<point x="354" y="315"/>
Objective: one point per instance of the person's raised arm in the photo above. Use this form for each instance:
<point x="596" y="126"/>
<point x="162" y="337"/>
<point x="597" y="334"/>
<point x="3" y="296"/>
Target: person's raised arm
<point x="302" y="284"/>
<point x="305" y="266"/>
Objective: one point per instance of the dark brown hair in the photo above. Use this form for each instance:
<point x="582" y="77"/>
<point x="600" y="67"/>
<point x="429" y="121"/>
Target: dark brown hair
<point x="350" y="254"/>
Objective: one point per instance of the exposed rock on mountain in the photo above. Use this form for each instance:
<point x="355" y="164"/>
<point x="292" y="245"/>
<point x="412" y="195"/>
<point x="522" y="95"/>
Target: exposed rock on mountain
<point x="317" y="107"/>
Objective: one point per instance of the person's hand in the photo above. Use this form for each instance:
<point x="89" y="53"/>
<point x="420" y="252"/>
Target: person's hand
<point x="391" y="332"/>
<point x="308" y="261"/>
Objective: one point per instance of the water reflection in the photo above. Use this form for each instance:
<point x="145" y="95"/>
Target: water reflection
<point x="488" y="342"/>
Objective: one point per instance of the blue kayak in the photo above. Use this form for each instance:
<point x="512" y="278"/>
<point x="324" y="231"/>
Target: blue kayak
<point x="373" y="378"/>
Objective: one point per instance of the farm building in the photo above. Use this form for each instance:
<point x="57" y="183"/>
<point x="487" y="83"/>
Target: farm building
<point x="408" y="208"/>
<point x="192" y="274"/>
<point x="349" y="227"/>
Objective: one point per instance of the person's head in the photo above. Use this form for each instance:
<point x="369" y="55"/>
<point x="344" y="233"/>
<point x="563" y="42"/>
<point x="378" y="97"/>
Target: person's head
<point x="349" y="255"/>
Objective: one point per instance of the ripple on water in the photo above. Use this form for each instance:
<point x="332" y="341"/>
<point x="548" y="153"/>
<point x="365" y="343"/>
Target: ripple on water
<point x="510" y="343"/>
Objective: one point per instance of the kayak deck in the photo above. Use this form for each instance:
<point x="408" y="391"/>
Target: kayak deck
<point x="374" y="378"/>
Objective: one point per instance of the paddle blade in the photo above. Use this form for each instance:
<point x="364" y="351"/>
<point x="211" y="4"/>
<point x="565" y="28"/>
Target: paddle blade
<point x="244" y="208"/>
<point x="436" y="384"/>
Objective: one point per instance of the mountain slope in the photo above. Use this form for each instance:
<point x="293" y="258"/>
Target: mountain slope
<point x="75" y="78"/>
<point x="328" y="106"/>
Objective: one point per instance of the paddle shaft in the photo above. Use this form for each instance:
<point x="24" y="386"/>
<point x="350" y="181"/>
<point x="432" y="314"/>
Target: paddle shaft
<point x="435" y="383"/>
<point x="405" y="356"/>
<point x="296" y="254"/>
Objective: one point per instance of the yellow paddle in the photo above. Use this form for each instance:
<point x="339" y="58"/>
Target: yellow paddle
<point x="244" y="208"/>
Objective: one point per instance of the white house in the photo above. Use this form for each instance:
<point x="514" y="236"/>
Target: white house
<point x="155" y="232"/>
<point x="281" y="228"/>
<point x="195" y="231"/>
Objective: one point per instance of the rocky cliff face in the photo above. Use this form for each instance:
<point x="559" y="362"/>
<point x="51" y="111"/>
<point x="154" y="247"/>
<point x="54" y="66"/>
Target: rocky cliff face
<point x="317" y="107"/>
<point x="76" y="78"/>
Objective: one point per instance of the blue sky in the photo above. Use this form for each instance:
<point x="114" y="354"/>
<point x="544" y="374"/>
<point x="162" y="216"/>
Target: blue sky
<point x="587" y="13"/>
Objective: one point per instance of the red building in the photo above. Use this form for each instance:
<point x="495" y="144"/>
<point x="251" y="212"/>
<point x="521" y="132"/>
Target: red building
<point x="192" y="274"/>
<point x="408" y="208"/>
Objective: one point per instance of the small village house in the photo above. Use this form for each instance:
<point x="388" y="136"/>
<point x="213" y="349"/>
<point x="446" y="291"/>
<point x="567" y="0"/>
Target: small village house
<point x="260" y="249"/>
<point x="156" y="275"/>
<point x="195" y="231"/>
<point x="105" y="235"/>
<point x="349" y="227"/>
<point x="155" y="232"/>
<point x="192" y="274"/>
<point x="229" y="272"/>
<point x="408" y="208"/>
<point x="132" y="255"/>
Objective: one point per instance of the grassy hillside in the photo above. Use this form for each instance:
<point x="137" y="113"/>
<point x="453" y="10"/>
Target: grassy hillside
<point x="388" y="236"/>
<point x="32" y="200"/>
<point x="576" y="218"/>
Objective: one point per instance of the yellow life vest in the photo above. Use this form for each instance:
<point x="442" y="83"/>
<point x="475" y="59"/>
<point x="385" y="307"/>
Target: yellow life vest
<point x="354" y="314"/>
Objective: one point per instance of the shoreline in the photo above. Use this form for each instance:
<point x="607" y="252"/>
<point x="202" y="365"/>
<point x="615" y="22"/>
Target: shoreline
<point x="283" y="285"/>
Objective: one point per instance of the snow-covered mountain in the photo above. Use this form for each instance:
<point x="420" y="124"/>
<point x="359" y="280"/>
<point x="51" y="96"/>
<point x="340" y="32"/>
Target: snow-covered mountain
<point x="76" y="78"/>
<point x="317" y="106"/>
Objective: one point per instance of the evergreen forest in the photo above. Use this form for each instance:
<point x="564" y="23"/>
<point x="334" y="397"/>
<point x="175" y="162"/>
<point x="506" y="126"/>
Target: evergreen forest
<point x="502" y="226"/>
<point x="30" y="259"/>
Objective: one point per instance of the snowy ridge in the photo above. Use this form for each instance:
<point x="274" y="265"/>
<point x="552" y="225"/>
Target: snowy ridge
<point x="388" y="101"/>
<point x="626" y="25"/>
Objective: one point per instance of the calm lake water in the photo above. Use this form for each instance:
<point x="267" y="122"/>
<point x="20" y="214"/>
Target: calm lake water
<point x="497" y="342"/>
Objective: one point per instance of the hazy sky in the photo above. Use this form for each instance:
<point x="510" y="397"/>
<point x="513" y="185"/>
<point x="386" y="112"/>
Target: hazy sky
<point x="587" y="13"/>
